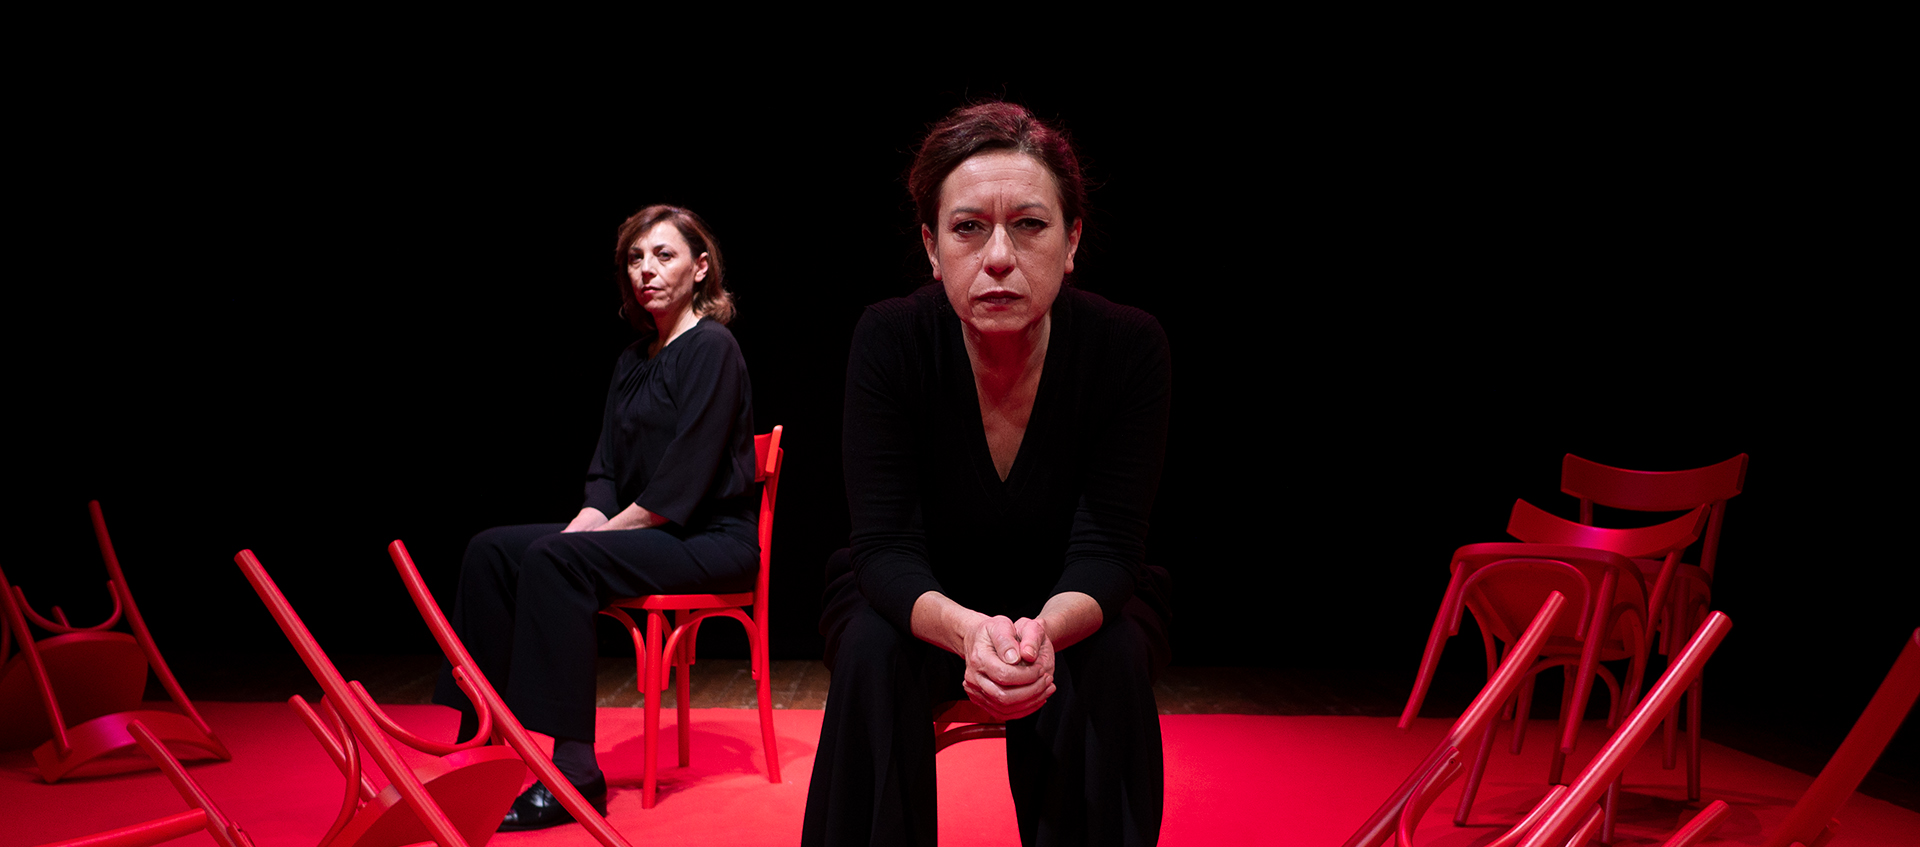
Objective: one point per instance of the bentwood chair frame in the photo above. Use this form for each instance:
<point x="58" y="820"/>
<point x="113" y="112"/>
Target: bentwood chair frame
<point x="204" y="816"/>
<point x="505" y="727"/>
<point x="456" y="800"/>
<point x="80" y="689"/>
<point x="1569" y="814"/>
<point x="1477" y="721"/>
<point x="653" y="646"/>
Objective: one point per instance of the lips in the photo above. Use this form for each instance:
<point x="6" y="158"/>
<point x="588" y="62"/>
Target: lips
<point x="999" y="298"/>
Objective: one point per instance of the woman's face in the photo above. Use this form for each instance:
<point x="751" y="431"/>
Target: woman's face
<point x="1003" y="244"/>
<point x="664" y="270"/>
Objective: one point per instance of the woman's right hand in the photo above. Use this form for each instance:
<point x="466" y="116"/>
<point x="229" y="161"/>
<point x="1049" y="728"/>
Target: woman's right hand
<point x="589" y="519"/>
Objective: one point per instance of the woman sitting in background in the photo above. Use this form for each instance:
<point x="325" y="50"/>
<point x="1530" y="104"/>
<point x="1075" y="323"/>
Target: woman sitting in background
<point x="669" y="508"/>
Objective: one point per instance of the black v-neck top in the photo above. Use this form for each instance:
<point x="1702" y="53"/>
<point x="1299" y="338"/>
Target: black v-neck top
<point x="677" y="434"/>
<point x="930" y="512"/>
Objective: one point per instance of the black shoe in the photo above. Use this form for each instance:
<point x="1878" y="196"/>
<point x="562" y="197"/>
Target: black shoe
<point x="537" y="808"/>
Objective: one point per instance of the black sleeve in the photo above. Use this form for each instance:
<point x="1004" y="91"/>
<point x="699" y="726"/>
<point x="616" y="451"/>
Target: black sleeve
<point x="878" y="447"/>
<point x="1107" y="551"/>
<point x="708" y="381"/>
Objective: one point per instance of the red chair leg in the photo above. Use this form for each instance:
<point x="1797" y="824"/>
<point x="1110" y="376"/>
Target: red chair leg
<point x="1693" y="739"/>
<point x="1472" y="788"/>
<point x="1522" y="707"/>
<point x="763" y="668"/>
<point x="654" y="682"/>
<point x="1558" y="762"/>
<point x="683" y="686"/>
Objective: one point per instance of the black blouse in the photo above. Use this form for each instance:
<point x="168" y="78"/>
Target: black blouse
<point x="677" y="435"/>
<point x="930" y="512"/>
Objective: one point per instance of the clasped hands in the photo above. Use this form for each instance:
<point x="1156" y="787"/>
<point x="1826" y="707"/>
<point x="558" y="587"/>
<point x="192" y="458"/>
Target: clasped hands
<point x="1009" y="666"/>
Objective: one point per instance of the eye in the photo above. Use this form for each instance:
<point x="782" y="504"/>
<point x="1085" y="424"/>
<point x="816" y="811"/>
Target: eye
<point x="967" y="227"/>
<point x="1030" y="224"/>
<point x="634" y="257"/>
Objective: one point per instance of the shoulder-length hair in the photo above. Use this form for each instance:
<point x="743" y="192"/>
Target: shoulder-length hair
<point x="711" y="299"/>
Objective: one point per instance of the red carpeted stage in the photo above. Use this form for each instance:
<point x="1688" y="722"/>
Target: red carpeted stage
<point x="1231" y="780"/>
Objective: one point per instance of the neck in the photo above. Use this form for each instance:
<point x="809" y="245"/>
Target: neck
<point x="1002" y="361"/>
<point x="672" y="326"/>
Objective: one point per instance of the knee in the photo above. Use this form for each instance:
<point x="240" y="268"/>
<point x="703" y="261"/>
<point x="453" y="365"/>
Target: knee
<point x="866" y="644"/>
<point x="1118" y="651"/>
<point x="491" y="559"/>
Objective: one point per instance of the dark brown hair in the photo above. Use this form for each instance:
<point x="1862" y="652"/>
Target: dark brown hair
<point x="711" y="299"/>
<point x="975" y="129"/>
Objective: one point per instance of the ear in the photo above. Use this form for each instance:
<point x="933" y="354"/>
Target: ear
<point x="700" y="268"/>
<point x="1073" y="244"/>
<point x="933" y="257"/>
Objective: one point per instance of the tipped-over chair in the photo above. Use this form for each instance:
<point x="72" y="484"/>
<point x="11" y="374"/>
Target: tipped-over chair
<point x="1477" y="721"/>
<point x="1568" y="814"/>
<point x="76" y="693"/>
<point x="203" y="817"/>
<point x="1502" y="583"/>
<point x="457" y="799"/>
<point x="654" y="646"/>
<point x="1688" y="594"/>
<point x="491" y="709"/>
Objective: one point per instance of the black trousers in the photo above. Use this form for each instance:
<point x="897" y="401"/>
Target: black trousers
<point x="528" y="595"/>
<point x="1084" y="770"/>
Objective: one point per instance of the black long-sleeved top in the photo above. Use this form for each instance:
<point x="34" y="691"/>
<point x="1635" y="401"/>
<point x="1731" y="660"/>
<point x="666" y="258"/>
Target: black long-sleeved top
<point x="929" y="511"/>
<point x="677" y="435"/>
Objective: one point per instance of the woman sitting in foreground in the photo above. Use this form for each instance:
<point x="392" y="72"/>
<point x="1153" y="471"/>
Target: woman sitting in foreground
<point x="1003" y="440"/>
<point x="670" y="508"/>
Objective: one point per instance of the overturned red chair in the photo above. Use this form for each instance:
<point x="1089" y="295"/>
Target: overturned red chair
<point x="456" y="800"/>
<point x="1502" y="583"/>
<point x="1477" y="722"/>
<point x="653" y="646"/>
<point x="1569" y="814"/>
<point x="491" y="708"/>
<point x="204" y="816"/>
<point x="74" y="694"/>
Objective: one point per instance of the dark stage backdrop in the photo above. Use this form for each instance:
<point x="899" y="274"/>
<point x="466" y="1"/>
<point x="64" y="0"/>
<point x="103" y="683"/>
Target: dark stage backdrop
<point x="309" y="315"/>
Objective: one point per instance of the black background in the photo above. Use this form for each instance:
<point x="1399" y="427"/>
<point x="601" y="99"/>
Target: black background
<point x="311" y="310"/>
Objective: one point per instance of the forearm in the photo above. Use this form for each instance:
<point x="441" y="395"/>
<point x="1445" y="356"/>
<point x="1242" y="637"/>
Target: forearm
<point x="943" y="623"/>
<point x="1070" y="616"/>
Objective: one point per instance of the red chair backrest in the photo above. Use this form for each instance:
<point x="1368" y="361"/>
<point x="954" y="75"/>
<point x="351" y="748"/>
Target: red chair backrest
<point x="1650" y="491"/>
<point x="1531" y="523"/>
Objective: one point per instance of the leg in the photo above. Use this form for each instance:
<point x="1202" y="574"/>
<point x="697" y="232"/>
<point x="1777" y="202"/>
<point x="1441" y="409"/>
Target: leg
<point x="873" y="779"/>
<point x="483" y="611"/>
<point x="566" y="579"/>
<point x="1087" y="768"/>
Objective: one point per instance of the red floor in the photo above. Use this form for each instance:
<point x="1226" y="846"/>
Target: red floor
<point x="1231" y="779"/>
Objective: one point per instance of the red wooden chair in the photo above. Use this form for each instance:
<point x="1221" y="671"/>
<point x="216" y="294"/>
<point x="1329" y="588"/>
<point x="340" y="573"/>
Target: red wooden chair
<point x="492" y="709"/>
<point x="657" y="643"/>
<point x="1477" y="720"/>
<point x="1568" y="815"/>
<point x="75" y="693"/>
<point x="456" y="800"/>
<point x="1689" y="587"/>
<point x="203" y="817"/>
<point x="1503" y="583"/>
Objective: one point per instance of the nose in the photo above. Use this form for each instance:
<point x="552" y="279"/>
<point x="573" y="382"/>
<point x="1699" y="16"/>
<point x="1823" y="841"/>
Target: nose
<point x="999" y="253"/>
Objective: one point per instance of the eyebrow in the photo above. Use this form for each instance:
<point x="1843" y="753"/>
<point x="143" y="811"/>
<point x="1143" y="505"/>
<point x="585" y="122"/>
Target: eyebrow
<point x="975" y="210"/>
